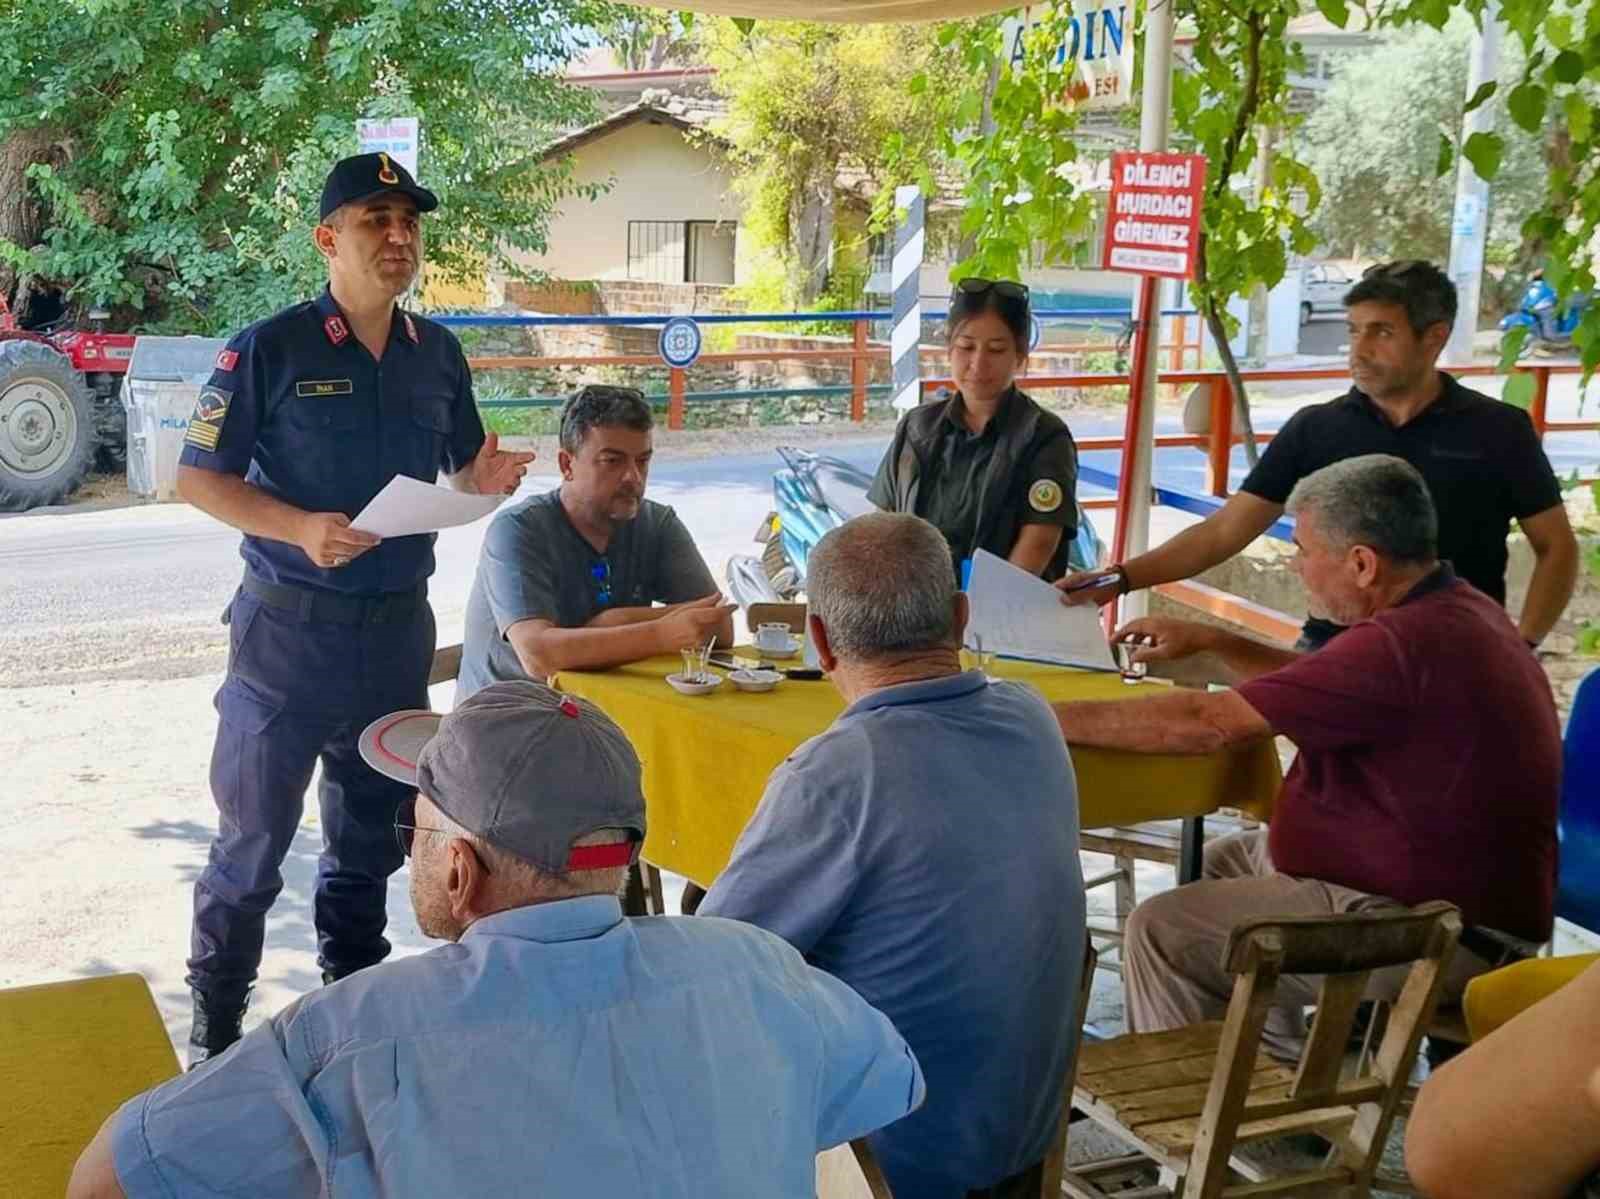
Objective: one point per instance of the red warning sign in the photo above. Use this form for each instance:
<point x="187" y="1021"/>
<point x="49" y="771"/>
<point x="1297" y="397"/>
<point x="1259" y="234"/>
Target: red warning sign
<point x="1153" y="223"/>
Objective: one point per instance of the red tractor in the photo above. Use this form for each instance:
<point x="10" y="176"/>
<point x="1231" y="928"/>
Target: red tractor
<point x="60" y="411"/>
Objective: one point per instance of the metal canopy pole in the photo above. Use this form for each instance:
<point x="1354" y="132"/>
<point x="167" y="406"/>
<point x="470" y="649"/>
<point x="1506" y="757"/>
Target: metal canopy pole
<point x="1132" y="534"/>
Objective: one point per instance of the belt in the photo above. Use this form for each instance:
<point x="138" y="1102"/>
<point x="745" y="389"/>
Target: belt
<point x="1493" y="946"/>
<point x="391" y="607"/>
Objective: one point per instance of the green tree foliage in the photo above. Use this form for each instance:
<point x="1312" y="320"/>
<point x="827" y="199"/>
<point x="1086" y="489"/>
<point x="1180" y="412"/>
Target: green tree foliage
<point x="194" y="135"/>
<point x="808" y="106"/>
<point x="1382" y="143"/>
<point x="1015" y="136"/>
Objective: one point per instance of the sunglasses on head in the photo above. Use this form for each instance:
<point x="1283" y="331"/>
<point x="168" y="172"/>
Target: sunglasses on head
<point x="972" y="288"/>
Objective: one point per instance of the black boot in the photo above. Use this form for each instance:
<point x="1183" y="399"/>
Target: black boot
<point x="217" y="1024"/>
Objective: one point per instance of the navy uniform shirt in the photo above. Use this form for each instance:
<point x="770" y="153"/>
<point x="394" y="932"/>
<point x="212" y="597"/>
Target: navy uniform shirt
<point x="298" y="406"/>
<point x="1481" y="459"/>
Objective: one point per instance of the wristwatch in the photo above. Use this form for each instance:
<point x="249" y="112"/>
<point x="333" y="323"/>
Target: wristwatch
<point x="1123" y="585"/>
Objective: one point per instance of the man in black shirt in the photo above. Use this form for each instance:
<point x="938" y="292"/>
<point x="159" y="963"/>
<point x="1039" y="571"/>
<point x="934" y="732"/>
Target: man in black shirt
<point x="1481" y="458"/>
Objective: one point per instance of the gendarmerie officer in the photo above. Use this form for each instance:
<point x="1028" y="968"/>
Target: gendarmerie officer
<point x="989" y="468"/>
<point x="306" y="417"/>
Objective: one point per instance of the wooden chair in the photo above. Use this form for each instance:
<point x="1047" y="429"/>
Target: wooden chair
<point x="1127" y="845"/>
<point x="71" y="1053"/>
<point x="1056" y="1160"/>
<point x="837" y="1178"/>
<point x="446" y="665"/>
<point x="793" y="615"/>
<point x="851" y="1172"/>
<point x="1188" y="1097"/>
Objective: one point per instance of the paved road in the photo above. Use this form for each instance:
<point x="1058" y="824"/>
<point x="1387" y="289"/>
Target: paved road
<point x="136" y="592"/>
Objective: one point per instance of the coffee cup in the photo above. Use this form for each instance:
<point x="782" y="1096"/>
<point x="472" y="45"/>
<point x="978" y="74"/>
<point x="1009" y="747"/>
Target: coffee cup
<point x="773" y="636"/>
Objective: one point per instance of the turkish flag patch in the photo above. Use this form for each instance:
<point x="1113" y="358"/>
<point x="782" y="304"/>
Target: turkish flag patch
<point x="227" y="360"/>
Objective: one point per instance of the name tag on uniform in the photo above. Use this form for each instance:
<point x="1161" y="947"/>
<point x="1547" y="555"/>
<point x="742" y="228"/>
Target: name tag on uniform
<point x="324" y="387"/>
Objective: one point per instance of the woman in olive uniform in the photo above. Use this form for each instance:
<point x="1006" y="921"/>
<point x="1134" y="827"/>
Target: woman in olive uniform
<point x="989" y="468"/>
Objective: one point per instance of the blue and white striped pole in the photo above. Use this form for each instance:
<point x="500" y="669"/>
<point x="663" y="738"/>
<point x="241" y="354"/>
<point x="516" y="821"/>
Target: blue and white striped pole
<point x="905" y="279"/>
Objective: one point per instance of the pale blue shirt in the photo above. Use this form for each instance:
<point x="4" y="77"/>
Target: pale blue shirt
<point x="925" y="850"/>
<point x="556" y="1050"/>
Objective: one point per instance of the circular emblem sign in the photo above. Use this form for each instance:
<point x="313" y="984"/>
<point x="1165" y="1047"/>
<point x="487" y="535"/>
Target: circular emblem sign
<point x="680" y="342"/>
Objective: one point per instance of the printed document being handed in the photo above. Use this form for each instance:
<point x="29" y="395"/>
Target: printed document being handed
<point x="1019" y="615"/>
<point x="406" y="506"/>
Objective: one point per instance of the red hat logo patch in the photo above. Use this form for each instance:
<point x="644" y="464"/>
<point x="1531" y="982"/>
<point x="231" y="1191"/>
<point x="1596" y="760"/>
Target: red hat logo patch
<point x="227" y="360"/>
<point x="386" y="172"/>
<point x="336" y="329"/>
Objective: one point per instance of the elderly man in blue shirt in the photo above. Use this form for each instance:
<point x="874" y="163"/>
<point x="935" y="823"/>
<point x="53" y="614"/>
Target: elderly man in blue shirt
<point x="925" y="850"/>
<point x="554" y="1047"/>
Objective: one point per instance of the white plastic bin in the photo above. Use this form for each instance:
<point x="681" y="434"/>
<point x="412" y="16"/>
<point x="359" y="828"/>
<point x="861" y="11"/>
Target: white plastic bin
<point x="159" y="392"/>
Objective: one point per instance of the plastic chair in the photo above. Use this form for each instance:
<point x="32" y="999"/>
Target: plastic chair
<point x="1578" y="885"/>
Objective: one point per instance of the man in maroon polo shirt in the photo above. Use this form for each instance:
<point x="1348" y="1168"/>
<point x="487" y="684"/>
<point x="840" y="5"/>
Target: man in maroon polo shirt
<point x="1429" y="763"/>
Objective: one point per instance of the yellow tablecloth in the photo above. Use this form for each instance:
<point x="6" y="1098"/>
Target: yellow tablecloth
<point x="707" y="758"/>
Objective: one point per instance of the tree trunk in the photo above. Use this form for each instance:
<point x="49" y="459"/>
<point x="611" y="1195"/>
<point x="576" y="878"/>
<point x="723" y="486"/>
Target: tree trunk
<point x="811" y="225"/>
<point x="1230" y="366"/>
<point x="22" y="216"/>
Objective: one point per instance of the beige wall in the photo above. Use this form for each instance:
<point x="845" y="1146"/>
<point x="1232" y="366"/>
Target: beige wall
<point x="655" y="175"/>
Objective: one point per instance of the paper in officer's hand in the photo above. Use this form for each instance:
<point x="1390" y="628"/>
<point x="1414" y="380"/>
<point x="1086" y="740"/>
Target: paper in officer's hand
<point x="406" y="506"/>
<point x="1019" y="615"/>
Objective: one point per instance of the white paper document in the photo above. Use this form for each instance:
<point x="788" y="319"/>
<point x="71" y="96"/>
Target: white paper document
<point x="1019" y="615"/>
<point x="406" y="506"/>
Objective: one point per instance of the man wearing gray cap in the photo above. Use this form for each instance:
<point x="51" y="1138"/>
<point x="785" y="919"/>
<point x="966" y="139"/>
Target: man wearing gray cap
<point x="555" y="1047"/>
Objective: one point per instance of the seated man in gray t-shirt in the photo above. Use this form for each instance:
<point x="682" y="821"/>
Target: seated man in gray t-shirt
<point x="568" y="580"/>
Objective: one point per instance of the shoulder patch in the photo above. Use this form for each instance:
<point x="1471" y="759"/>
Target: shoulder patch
<point x="205" y="426"/>
<point x="227" y="360"/>
<point x="1045" y="496"/>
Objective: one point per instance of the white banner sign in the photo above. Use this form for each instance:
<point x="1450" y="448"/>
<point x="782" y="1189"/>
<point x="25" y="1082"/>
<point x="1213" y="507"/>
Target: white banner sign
<point x="395" y="136"/>
<point x="1099" y="42"/>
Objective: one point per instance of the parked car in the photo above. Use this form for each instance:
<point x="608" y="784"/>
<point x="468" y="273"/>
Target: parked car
<point x="1322" y="289"/>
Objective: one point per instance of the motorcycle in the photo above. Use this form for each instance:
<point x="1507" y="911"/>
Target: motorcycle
<point x="1548" y="321"/>
<point x="814" y="494"/>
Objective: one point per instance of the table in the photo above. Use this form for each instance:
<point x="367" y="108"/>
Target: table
<point x="707" y="758"/>
<point x="70" y="1054"/>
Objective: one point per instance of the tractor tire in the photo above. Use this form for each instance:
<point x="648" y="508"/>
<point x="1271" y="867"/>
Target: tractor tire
<point x="48" y="430"/>
<point x="111" y="424"/>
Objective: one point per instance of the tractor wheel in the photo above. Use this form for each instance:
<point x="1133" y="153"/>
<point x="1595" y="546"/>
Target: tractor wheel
<point x="47" y="426"/>
<point x="111" y="424"/>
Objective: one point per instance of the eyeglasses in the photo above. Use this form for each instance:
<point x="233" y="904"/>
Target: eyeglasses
<point x="973" y="287"/>
<point x="405" y="832"/>
<point x="600" y="572"/>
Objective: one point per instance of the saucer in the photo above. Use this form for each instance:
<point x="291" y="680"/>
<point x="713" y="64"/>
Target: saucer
<point x="755" y="680"/>
<point x="685" y="686"/>
<point x="766" y="652"/>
